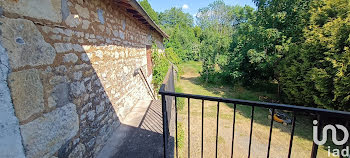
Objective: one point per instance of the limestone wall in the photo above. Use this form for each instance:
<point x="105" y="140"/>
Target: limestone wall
<point x="70" y="71"/>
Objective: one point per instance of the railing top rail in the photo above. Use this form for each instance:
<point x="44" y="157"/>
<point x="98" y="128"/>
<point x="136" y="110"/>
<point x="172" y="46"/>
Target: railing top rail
<point x="258" y="104"/>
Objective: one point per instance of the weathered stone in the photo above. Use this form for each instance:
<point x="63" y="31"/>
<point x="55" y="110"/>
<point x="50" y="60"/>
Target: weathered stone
<point x="64" y="9"/>
<point x="58" y="79"/>
<point x="63" y="47"/>
<point x="116" y="33"/>
<point x="59" y="96"/>
<point x="10" y="138"/>
<point x="73" y="20"/>
<point x="121" y="34"/>
<point x="84" y="57"/>
<point x="25" y="43"/>
<point x="78" y="48"/>
<point x="86" y="24"/>
<point x="71" y="57"/>
<point x="91" y="115"/>
<point x="78" y="151"/>
<point x="45" y="135"/>
<point x="83" y="12"/>
<point x="34" y="8"/>
<point x="27" y="93"/>
<point x="77" y="75"/>
<point x="100" y="108"/>
<point x="55" y="37"/>
<point x="77" y="88"/>
<point x="100" y="16"/>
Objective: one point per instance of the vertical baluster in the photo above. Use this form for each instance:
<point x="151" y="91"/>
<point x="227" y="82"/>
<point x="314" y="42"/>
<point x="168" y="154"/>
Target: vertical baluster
<point x="314" y="145"/>
<point x="217" y="129"/>
<point x="271" y="126"/>
<point x="165" y="133"/>
<point x="251" y="131"/>
<point x="202" y="128"/>
<point x="233" y="128"/>
<point x="292" y="135"/>
<point x="177" y="151"/>
<point x="189" y="129"/>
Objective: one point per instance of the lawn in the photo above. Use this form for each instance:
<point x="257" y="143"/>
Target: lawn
<point x="189" y="82"/>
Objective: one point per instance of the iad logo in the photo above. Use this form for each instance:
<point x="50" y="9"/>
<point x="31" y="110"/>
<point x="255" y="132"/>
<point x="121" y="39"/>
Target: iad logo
<point x="334" y="134"/>
<point x="335" y="152"/>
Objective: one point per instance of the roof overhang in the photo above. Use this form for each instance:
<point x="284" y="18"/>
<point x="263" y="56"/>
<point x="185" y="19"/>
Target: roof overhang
<point x="134" y="8"/>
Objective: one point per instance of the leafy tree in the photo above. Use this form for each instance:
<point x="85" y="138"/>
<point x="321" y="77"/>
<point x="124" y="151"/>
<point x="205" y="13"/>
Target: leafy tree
<point x="318" y="74"/>
<point x="147" y="7"/>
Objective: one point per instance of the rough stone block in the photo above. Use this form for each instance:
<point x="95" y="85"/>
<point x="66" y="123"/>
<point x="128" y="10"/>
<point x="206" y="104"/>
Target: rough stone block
<point x="71" y="57"/>
<point x="27" y="93"/>
<point x="39" y="9"/>
<point x="59" y="96"/>
<point x="78" y="151"/>
<point x="63" y="47"/>
<point x="83" y="12"/>
<point x="10" y="138"/>
<point x="25" y="43"/>
<point x="77" y="88"/>
<point x="45" y="135"/>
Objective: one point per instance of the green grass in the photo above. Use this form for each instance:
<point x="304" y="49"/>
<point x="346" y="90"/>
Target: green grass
<point x="190" y="83"/>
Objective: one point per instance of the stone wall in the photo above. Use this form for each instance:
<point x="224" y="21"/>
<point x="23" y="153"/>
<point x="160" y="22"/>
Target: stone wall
<point x="70" y="72"/>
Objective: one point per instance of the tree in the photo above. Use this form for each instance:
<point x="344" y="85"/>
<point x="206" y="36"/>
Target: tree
<point x="318" y="72"/>
<point x="147" y="7"/>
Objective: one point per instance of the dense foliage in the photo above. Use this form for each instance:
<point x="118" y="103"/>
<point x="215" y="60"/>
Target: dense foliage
<point x="300" y="45"/>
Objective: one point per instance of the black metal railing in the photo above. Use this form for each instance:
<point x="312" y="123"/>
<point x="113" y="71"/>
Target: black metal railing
<point x="321" y="114"/>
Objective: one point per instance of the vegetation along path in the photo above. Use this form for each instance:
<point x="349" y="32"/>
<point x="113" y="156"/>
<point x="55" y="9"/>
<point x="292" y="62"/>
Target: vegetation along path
<point x="190" y="83"/>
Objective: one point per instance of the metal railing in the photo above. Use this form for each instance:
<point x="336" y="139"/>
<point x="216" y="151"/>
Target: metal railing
<point x="143" y="77"/>
<point x="322" y="115"/>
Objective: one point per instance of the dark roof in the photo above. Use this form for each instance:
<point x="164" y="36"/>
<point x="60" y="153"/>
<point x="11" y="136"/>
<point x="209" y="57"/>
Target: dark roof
<point x="134" y="8"/>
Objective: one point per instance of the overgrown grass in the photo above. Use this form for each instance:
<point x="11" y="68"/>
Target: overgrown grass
<point x="180" y="102"/>
<point x="180" y="135"/>
<point x="190" y="83"/>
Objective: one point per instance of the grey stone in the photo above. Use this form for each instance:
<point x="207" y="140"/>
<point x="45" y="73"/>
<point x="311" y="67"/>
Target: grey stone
<point x="78" y="151"/>
<point x="86" y="24"/>
<point x="61" y="69"/>
<point x="100" y="108"/>
<point x="63" y="47"/>
<point x="121" y="33"/>
<point x="10" y="138"/>
<point x="84" y="57"/>
<point x="116" y="33"/>
<point x="100" y="16"/>
<point x="45" y="135"/>
<point x="83" y="12"/>
<point x="59" y="96"/>
<point x="58" y="79"/>
<point x="64" y="9"/>
<point x="34" y="9"/>
<point x="71" y="57"/>
<point x="77" y="75"/>
<point x="77" y="88"/>
<point x="25" y="43"/>
<point x="1" y="11"/>
<point x="73" y="20"/>
<point x="78" y="48"/>
<point x="91" y="115"/>
<point x="123" y="24"/>
<point x="27" y="93"/>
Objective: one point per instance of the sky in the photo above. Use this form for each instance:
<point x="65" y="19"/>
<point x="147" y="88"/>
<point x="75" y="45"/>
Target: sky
<point x="192" y="6"/>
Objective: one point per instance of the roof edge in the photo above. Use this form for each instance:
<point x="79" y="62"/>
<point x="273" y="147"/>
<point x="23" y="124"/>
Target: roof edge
<point x="139" y="8"/>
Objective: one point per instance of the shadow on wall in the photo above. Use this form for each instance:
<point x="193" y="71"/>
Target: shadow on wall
<point x="70" y="108"/>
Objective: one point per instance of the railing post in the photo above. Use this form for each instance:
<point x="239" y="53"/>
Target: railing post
<point x="165" y="126"/>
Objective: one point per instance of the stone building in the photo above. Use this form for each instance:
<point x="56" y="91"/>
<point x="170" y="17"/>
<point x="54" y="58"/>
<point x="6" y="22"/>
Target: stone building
<point x="67" y="73"/>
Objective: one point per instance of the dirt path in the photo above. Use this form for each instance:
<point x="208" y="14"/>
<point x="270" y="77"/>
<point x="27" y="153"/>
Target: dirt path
<point x="280" y="137"/>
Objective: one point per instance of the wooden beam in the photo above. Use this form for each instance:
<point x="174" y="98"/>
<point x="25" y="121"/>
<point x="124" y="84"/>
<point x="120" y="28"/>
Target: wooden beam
<point x="132" y="11"/>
